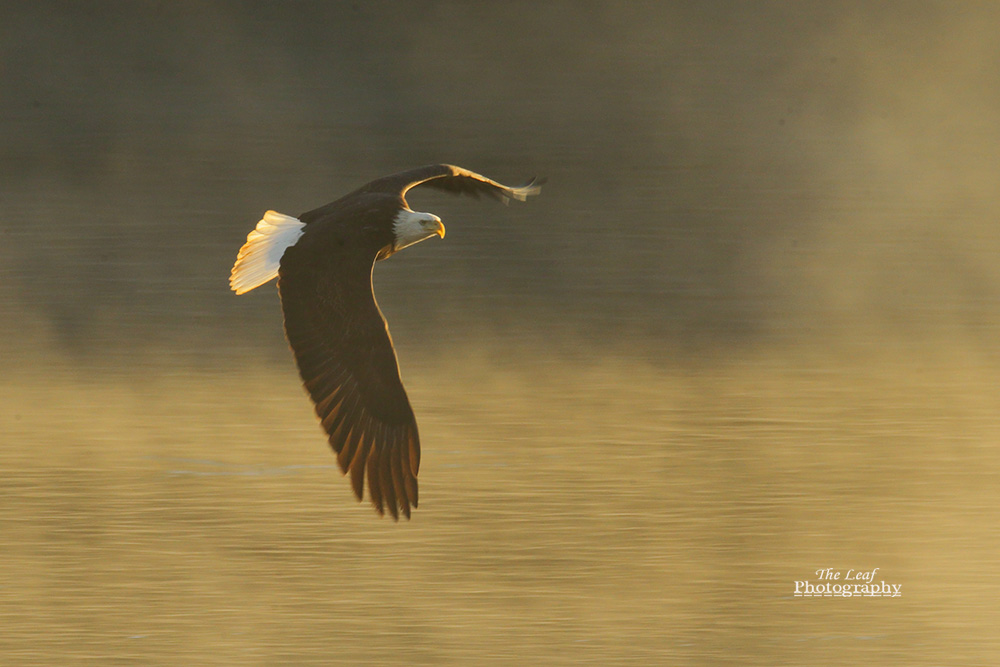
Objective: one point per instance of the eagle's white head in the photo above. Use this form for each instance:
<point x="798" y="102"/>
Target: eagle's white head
<point x="412" y="227"/>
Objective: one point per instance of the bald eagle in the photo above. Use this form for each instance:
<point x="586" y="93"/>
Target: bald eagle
<point x="323" y="261"/>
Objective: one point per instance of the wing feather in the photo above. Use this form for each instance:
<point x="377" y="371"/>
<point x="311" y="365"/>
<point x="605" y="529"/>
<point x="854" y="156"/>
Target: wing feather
<point x="398" y="486"/>
<point x="357" y="468"/>
<point x="386" y="479"/>
<point x="375" y="476"/>
<point x="409" y="476"/>
<point x="345" y="457"/>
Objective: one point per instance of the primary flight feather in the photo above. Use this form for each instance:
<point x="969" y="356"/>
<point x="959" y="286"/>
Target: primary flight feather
<point x="323" y="261"/>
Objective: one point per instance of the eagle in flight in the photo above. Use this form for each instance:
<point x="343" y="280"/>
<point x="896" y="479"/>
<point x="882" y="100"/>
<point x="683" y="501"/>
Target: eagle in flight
<point x="323" y="261"/>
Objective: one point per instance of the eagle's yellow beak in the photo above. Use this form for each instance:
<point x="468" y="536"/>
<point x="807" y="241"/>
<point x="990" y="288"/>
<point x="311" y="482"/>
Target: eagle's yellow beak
<point x="439" y="229"/>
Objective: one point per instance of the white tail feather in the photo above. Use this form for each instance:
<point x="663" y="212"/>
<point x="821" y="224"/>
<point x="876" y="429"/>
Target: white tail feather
<point x="259" y="258"/>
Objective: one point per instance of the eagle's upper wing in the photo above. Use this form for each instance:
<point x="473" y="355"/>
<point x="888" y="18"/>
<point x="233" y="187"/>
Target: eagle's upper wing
<point x="456" y="181"/>
<point x="348" y="365"/>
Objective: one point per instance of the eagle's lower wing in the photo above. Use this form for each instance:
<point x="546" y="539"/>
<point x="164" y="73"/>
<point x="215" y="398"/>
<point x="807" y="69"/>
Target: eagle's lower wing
<point x="456" y="181"/>
<point x="348" y="365"/>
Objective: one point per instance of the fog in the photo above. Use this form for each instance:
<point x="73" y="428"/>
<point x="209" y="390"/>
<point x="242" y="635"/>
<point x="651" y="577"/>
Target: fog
<point x="747" y="331"/>
<point x="725" y="173"/>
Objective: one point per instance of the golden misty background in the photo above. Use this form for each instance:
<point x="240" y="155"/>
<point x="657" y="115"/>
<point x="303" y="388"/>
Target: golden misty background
<point x="748" y="331"/>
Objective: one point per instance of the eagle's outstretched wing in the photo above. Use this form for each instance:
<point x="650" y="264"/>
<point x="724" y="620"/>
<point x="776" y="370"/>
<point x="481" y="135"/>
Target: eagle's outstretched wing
<point x="456" y="181"/>
<point x="348" y="365"/>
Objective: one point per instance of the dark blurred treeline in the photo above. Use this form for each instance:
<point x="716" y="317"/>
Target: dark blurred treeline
<point x="720" y="173"/>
